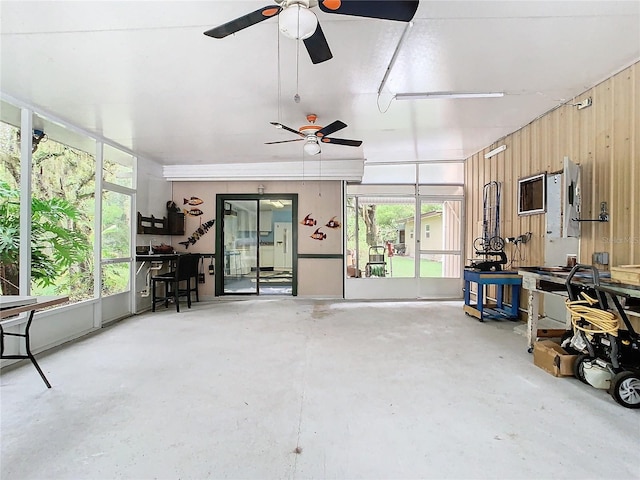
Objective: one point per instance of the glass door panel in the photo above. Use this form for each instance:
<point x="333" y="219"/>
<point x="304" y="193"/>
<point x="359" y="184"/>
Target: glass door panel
<point x="240" y="247"/>
<point x="439" y="238"/>
<point x="380" y="237"/>
<point x="116" y="242"/>
<point x="276" y="247"/>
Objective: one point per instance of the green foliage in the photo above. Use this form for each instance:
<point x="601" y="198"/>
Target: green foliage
<point x="54" y="246"/>
<point x="389" y="218"/>
<point x="63" y="192"/>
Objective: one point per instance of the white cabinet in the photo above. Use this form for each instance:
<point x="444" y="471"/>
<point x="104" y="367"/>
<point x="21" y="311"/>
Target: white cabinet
<point x="266" y="256"/>
<point x="246" y="221"/>
<point x="266" y="220"/>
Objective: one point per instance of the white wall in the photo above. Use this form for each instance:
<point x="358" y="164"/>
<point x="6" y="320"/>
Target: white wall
<point x="153" y="192"/>
<point x="322" y="200"/>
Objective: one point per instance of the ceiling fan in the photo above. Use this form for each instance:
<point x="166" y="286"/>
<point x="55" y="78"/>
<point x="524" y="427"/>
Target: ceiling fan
<point x="297" y="21"/>
<point x="312" y="134"/>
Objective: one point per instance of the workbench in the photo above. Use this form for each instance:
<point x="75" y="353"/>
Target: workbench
<point x="537" y="281"/>
<point x="500" y="279"/>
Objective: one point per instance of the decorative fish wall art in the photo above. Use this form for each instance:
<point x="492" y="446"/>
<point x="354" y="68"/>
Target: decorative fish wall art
<point x="308" y="221"/>
<point x="194" y="212"/>
<point x="318" y="235"/>
<point x="333" y="223"/>
<point x="193" y="201"/>
<point x="195" y="236"/>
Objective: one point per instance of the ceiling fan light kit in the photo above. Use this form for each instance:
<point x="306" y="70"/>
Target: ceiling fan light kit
<point x="311" y="147"/>
<point x="297" y="22"/>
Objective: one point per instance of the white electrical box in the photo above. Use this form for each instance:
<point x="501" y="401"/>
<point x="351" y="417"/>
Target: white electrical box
<point x="571" y="200"/>
<point x="563" y="202"/>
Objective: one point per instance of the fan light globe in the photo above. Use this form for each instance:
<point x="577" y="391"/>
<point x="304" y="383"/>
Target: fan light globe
<point x="289" y="25"/>
<point x="311" y="147"/>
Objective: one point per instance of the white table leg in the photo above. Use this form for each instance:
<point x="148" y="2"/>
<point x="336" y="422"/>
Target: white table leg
<point x="532" y="318"/>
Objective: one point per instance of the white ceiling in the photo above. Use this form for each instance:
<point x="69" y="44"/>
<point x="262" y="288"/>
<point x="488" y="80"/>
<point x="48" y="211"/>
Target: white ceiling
<point x="142" y="74"/>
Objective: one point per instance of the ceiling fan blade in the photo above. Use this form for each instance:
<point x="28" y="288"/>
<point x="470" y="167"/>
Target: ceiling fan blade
<point x="331" y="128"/>
<point x="343" y="141"/>
<point x="245" y="21"/>
<point x="284" y="127"/>
<point x="318" y="47"/>
<point x="401" y="10"/>
<point x="285" y="141"/>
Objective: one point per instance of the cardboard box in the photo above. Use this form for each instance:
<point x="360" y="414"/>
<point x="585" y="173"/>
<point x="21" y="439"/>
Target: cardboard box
<point x="552" y="358"/>
<point x="353" y="272"/>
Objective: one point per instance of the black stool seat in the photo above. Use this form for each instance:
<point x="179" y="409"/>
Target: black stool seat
<point x="186" y="271"/>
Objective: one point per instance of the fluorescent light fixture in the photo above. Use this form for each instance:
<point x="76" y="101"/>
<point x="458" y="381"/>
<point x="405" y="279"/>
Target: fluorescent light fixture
<point x="394" y="57"/>
<point x="429" y="95"/>
<point x="495" y="151"/>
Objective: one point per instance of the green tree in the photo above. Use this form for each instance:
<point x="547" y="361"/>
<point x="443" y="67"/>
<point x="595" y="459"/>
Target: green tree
<point x="55" y="248"/>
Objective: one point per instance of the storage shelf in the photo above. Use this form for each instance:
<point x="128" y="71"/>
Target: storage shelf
<point x="174" y="225"/>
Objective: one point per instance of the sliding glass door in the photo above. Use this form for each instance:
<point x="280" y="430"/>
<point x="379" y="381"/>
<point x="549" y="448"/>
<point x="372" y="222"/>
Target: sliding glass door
<point x="239" y="247"/>
<point x="255" y="253"/>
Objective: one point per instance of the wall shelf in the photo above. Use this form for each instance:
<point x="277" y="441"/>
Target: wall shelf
<point x="174" y="225"/>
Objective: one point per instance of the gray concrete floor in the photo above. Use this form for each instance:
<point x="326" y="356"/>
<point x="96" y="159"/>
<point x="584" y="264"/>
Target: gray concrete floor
<point x="367" y="390"/>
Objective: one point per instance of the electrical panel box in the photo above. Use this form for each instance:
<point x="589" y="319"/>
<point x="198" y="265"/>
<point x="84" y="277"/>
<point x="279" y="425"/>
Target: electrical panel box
<point x="563" y="205"/>
<point x="571" y="200"/>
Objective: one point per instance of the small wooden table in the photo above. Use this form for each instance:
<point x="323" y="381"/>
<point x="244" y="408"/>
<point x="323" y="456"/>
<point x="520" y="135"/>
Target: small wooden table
<point x="5" y="313"/>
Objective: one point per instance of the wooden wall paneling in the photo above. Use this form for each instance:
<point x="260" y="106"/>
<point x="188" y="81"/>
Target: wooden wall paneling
<point x="472" y="214"/>
<point x="603" y="140"/>
<point x="473" y="208"/>
<point x="554" y="140"/>
<point x="496" y="164"/>
<point x="477" y="217"/>
<point x="635" y="165"/>
<point x="470" y="201"/>
<point x="603" y="181"/>
<point x="620" y="208"/>
<point x="467" y="201"/>
<point x="510" y="192"/>
<point x="533" y="154"/>
<point x="586" y="150"/>
<point x="523" y="167"/>
<point x="564" y="141"/>
<point x="506" y="181"/>
<point x="574" y="134"/>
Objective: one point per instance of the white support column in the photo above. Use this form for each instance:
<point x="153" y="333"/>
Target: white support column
<point x="97" y="239"/>
<point x="132" y="242"/>
<point x="26" y="144"/>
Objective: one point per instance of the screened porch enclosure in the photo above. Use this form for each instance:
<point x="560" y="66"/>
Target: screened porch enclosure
<point x="404" y="240"/>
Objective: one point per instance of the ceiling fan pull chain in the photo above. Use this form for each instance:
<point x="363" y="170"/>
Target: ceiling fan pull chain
<point x="296" y="97"/>
<point x="279" y="83"/>
<point x="320" y="174"/>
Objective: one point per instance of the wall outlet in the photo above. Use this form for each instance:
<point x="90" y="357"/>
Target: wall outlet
<point x="601" y="258"/>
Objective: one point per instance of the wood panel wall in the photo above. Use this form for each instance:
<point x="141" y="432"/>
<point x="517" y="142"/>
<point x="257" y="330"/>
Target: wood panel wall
<point x="603" y="139"/>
